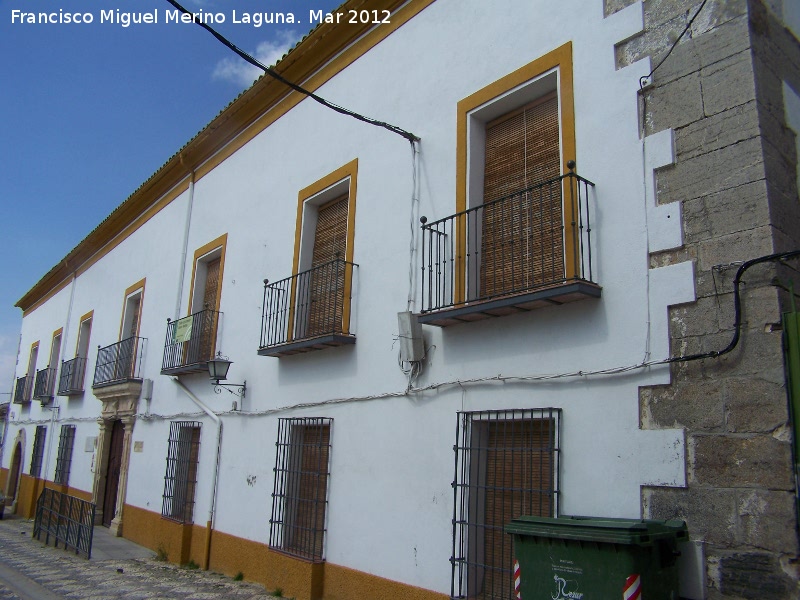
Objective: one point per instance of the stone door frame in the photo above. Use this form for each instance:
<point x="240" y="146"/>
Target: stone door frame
<point x="18" y="444"/>
<point x="120" y="403"/>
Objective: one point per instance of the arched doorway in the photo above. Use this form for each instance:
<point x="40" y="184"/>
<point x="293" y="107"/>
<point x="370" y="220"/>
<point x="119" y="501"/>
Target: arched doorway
<point x="13" y="476"/>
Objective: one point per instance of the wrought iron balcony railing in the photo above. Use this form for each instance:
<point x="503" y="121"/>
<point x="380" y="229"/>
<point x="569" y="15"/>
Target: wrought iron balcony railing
<point x="308" y="311"/>
<point x="72" y="375"/>
<point x="44" y="387"/>
<point x="23" y="389"/>
<point x="535" y="243"/>
<point x="120" y="362"/>
<point x="190" y="343"/>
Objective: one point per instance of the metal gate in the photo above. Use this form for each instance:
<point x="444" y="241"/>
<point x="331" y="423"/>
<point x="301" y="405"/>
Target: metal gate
<point x="67" y="519"/>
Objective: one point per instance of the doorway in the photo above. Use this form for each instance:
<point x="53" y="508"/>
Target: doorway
<point x="113" y="472"/>
<point x="13" y="477"/>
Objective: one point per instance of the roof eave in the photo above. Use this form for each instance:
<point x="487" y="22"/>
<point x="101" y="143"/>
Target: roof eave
<point x="312" y="53"/>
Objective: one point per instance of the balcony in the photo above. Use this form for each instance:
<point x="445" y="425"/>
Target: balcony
<point x="190" y="343"/>
<point x="44" y="387"/>
<point x="120" y="362"/>
<point x="72" y="375"/>
<point x="308" y="311"/>
<point x="527" y="250"/>
<point x="23" y="389"/>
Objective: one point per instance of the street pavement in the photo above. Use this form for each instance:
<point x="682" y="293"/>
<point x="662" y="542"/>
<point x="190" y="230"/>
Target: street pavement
<point x="30" y="570"/>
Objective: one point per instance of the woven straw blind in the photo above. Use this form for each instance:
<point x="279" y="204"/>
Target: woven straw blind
<point x="186" y="503"/>
<point x="209" y="326"/>
<point x="519" y="480"/>
<point x="330" y="238"/>
<point x="309" y="519"/>
<point x="522" y="235"/>
<point x="327" y="282"/>
<point x="212" y="284"/>
<point x="136" y="305"/>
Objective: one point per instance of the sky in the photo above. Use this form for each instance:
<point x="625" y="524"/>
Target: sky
<point x="91" y="110"/>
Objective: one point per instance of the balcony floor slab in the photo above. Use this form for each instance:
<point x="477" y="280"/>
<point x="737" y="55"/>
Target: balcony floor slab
<point x="508" y="305"/>
<point x="308" y="345"/>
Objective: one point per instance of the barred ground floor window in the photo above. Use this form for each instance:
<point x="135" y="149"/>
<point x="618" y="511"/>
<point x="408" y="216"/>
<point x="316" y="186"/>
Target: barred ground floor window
<point x="300" y="495"/>
<point x="180" y="479"/>
<point x="506" y="466"/>
<point x="38" y="451"/>
<point x="64" y="459"/>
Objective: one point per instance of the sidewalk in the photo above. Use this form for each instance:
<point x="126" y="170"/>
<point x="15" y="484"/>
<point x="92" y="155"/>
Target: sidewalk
<point x="118" y="569"/>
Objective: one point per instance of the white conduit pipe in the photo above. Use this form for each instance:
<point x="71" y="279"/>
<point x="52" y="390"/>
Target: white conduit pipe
<point x="184" y="250"/>
<point x="212" y="509"/>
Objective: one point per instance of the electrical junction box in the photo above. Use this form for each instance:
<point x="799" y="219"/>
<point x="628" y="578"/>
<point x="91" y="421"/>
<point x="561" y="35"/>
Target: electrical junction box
<point x="412" y="345"/>
<point x="147" y="389"/>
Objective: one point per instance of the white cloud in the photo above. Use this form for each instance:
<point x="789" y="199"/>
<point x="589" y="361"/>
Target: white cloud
<point x="235" y="69"/>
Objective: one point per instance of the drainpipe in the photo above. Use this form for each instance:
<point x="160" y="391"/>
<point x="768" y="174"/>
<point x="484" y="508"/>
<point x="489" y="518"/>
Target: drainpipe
<point x="184" y="250"/>
<point x="61" y="351"/>
<point x="211" y="512"/>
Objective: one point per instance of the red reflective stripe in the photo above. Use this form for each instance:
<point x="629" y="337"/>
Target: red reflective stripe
<point x="633" y="588"/>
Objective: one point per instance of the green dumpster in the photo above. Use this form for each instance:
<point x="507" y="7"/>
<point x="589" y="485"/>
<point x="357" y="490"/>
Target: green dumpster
<point x="590" y="558"/>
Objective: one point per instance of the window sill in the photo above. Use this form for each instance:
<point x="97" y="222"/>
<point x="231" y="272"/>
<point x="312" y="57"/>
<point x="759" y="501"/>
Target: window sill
<point x="297" y="555"/>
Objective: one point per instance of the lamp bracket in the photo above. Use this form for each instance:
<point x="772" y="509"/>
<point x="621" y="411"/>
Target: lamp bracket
<point x="241" y="388"/>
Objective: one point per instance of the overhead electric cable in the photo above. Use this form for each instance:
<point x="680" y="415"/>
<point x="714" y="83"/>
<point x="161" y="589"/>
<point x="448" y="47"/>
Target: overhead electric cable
<point x="275" y="75"/>
<point x="737" y="306"/>
<point x="643" y="80"/>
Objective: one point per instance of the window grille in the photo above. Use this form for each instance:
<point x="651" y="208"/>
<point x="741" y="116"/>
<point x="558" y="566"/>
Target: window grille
<point x="38" y="451"/>
<point x="299" y="499"/>
<point x="64" y="459"/>
<point x="180" y="479"/>
<point x="506" y="466"/>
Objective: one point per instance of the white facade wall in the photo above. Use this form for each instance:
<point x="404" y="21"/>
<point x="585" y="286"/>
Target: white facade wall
<point x="390" y="495"/>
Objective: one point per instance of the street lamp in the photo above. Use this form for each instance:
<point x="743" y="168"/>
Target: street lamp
<point x="218" y="371"/>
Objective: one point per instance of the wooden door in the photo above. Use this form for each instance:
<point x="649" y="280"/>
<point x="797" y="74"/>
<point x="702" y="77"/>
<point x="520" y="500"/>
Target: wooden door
<point x="16" y="462"/>
<point x="112" y="472"/>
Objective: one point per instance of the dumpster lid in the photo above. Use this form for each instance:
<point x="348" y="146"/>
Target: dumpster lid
<point x="599" y="529"/>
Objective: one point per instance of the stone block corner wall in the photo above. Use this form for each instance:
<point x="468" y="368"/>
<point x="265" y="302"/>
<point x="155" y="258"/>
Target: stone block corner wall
<point x="735" y="174"/>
